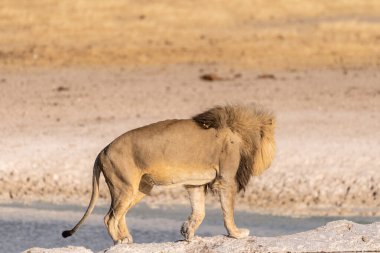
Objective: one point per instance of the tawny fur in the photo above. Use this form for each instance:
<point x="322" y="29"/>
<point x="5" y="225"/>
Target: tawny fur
<point x="220" y="148"/>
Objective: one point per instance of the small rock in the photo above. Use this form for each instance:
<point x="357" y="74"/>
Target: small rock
<point x="62" y="88"/>
<point x="266" y="76"/>
<point x="214" y="77"/>
<point x="238" y="75"/>
<point x="211" y="77"/>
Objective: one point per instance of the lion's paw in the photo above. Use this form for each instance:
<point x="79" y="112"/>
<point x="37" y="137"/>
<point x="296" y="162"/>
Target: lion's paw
<point x="127" y="240"/>
<point x="124" y="241"/>
<point x="241" y="233"/>
<point x="186" y="231"/>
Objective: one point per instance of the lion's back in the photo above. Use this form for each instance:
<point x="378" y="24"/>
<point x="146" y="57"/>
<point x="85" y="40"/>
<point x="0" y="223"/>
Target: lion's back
<point x="170" y="143"/>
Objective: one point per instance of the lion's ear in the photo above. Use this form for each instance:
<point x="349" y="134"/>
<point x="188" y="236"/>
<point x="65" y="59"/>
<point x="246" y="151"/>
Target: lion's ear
<point x="208" y="119"/>
<point x="205" y="126"/>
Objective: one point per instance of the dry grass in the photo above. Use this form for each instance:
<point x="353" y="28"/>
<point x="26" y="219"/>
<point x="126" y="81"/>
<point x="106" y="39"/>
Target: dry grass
<point x="280" y="34"/>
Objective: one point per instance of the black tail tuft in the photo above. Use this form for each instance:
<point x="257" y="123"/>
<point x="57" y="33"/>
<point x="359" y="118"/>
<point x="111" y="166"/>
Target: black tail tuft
<point x="67" y="233"/>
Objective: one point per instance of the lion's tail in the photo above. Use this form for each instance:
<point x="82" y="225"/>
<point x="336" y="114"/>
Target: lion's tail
<point x="94" y="197"/>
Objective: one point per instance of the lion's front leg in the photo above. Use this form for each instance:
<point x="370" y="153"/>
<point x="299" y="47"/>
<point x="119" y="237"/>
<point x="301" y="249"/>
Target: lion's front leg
<point x="227" y="192"/>
<point x="197" y="200"/>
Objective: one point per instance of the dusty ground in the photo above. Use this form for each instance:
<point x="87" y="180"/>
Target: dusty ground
<point x="338" y="236"/>
<point x="73" y="76"/>
<point x="54" y="123"/>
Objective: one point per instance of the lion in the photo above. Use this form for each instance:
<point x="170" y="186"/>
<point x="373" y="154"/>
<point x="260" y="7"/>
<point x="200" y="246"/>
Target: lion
<point x="217" y="150"/>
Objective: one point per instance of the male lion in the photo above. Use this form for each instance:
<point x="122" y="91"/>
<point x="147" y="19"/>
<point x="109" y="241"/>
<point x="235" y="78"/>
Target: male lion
<point x="219" y="149"/>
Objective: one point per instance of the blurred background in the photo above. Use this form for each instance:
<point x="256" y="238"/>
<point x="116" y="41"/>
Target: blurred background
<point x="295" y="34"/>
<point x="74" y="75"/>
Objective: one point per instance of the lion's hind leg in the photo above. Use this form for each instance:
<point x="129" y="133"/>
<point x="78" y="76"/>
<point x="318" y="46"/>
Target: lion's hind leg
<point x="197" y="200"/>
<point x="124" y="235"/>
<point x="115" y="218"/>
<point x="123" y="179"/>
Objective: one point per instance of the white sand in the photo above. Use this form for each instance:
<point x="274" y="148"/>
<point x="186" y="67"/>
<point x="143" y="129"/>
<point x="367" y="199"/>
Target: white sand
<point x="338" y="236"/>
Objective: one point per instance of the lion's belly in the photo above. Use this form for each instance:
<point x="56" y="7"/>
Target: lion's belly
<point x="182" y="175"/>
